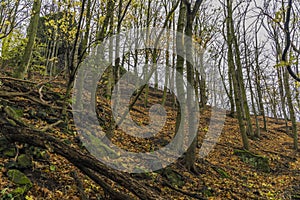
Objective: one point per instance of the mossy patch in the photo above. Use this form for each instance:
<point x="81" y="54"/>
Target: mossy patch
<point x="258" y="161"/>
<point x="24" y="161"/>
<point x="18" y="177"/>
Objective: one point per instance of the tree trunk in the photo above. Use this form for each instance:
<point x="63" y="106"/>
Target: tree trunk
<point x="232" y="72"/>
<point x="179" y="75"/>
<point x="73" y="65"/>
<point x="167" y="74"/>
<point x="240" y="79"/>
<point x="288" y="71"/>
<point x="190" y="156"/>
<point x="291" y="108"/>
<point x="258" y="75"/>
<point x="31" y="33"/>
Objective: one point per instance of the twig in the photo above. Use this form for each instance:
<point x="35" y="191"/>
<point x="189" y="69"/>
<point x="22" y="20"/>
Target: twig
<point x="41" y="95"/>
<point x="295" y="48"/>
<point x="51" y="126"/>
<point x="13" y="116"/>
<point x="19" y="80"/>
<point x="49" y="81"/>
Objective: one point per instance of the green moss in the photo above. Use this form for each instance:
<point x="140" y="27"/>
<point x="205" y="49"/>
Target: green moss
<point x="19" y="191"/>
<point x="18" y="177"/>
<point x="258" y="161"/>
<point x="10" y="152"/>
<point x="173" y="177"/>
<point x="24" y="161"/>
<point x="222" y="173"/>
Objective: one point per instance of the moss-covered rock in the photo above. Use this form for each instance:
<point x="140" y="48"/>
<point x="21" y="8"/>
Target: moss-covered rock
<point x="11" y="164"/>
<point x="173" y="177"/>
<point x="4" y="144"/>
<point x="258" y="161"/>
<point x="19" y="192"/>
<point x="23" y="182"/>
<point x="24" y="161"/>
<point x="18" y="177"/>
<point x="10" y="152"/>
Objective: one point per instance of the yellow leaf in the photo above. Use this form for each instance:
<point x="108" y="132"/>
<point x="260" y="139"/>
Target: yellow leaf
<point x="28" y="197"/>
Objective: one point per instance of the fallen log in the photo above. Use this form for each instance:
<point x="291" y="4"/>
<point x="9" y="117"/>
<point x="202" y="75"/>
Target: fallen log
<point x="84" y="162"/>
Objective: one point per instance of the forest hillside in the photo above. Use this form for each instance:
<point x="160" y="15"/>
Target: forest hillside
<point x="149" y="99"/>
<point x="270" y="170"/>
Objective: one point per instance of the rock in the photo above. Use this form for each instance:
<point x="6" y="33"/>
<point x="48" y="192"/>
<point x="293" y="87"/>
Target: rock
<point x="18" y="177"/>
<point x="10" y="152"/>
<point x="4" y="144"/>
<point x="22" y="180"/>
<point x="24" y="161"/>
<point x="258" y="161"/>
<point x="11" y="164"/>
<point x="173" y="177"/>
<point x="19" y="192"/>
<point x="38" y="153"/>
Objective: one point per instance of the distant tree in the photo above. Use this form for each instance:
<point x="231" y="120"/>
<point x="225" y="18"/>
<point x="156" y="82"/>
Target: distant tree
<point x="8" y="18"/>
<point x="258" y="76"/>
<point x="73" y="59"/>
<point x="234" y="73"/>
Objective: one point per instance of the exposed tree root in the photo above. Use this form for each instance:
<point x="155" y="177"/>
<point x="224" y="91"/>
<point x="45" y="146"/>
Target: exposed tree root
<point x="86" y="163"/>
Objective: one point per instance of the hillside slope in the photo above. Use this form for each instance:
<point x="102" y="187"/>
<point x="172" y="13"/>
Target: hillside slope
<point x="222" y="174"/>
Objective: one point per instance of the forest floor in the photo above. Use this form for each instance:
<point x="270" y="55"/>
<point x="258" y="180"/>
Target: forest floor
<point x="222" y="174"/>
